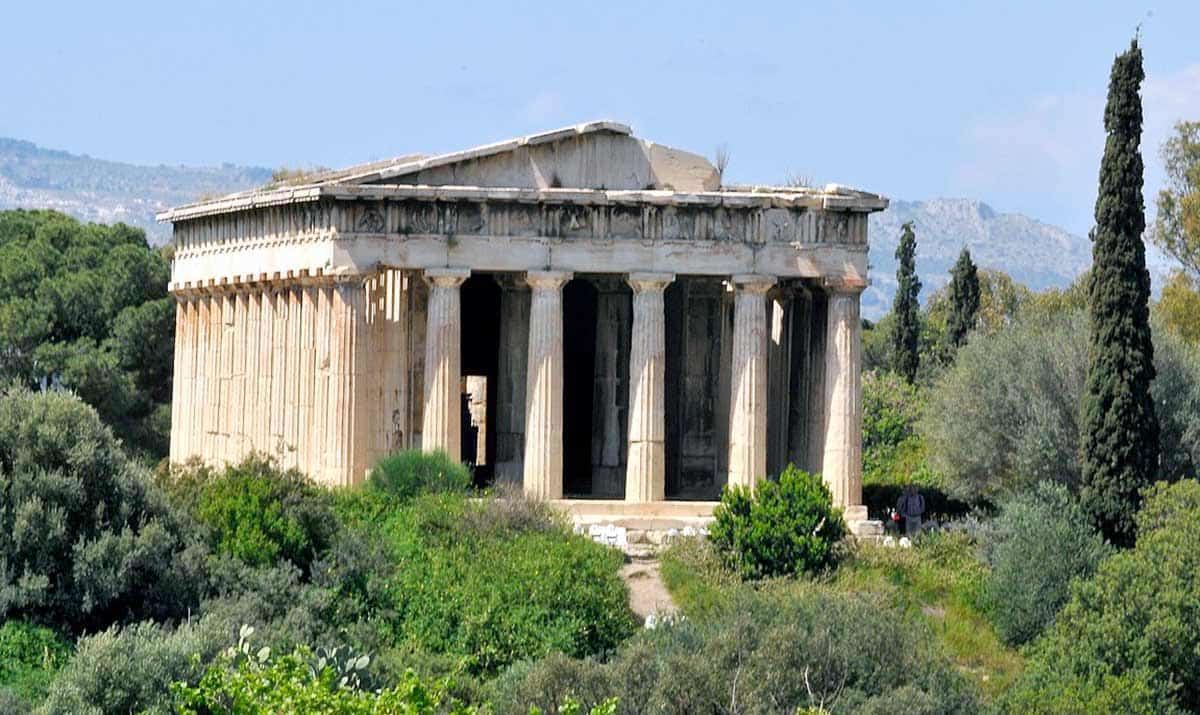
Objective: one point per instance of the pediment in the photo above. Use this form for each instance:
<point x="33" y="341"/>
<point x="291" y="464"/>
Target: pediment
<point x="596" y="155"/>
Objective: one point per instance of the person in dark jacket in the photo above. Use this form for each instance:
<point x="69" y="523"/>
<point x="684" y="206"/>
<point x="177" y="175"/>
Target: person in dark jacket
<point x="911" y="508"/>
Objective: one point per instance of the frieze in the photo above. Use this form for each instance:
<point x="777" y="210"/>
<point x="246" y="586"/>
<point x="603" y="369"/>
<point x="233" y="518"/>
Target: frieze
<point x="321" y="220"/>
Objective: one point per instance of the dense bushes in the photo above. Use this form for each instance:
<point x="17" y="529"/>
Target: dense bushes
<point x="1040" y="542"/>
<point x="793" y="645"/>
<point x="1128" y="639"/>
<point x="404" y="475"/>
<point x="1005" y="416"/>
<point x="86" y="538"/>
<point x="491" y="597"/>
<point x="130" y="669"/>
<point x="257" y="512"/>
<point x="782" y="527"/>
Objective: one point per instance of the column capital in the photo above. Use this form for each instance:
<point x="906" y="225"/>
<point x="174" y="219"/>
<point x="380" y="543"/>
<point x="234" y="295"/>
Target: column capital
<point x="753" y="283"/>
<point x="547" y="280"/>
<point x="640" y="282"/>
<point x="448" y="277"/>
<point x="845" y="284"/>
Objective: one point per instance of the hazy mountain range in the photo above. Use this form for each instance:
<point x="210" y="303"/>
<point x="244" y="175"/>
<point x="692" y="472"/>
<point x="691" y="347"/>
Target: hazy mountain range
<point x="1034" y="253"/>
<point x="110" y="191"/>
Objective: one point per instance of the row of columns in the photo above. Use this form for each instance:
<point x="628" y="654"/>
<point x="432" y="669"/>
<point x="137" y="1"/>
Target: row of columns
<point x="646" y="471"/>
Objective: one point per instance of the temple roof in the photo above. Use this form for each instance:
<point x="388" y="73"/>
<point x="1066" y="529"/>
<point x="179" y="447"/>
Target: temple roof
<point x="594" y="162"/>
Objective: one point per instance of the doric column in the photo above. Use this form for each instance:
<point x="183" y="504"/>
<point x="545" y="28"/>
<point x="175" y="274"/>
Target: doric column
<point x="842" y="465"/>
<point x="780" y="312"/>
<point x="645" y="471"/>
<point x="510" y="387"/>
<point x="542" y="472"/>
<point x="748" y="393"/>
<point x="442" y="424"/>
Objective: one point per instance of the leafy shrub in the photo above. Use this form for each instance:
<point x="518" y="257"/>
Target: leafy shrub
<point x="252" y="682"/>
<point x="1128" y="640"/>
<point x="1042" y="540"/>
<point x="1006" y="415"/>
<point x="130" y="669"/>
<point x="259" y="513"/>
<point x="492" y="598"/>
<point x="86" y="538"/>
<point x="30" y="655"/>
<point x="407" y="474"/>
<point x="290" y="684"/>
<point x="793" y="645"/>
<point x="783" y="527"/>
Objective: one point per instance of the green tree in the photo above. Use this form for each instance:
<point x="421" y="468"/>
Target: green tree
<point x="964" y="299"/>
<point x="85" y="307"/>
<point x="1179" y="307"/>
<point x="86" y="539"/>
<point x="1119" y="429"/>
<point x="1006" y="414"/>
<point x="906" y="335"/>
<point x="1177" y="227"/>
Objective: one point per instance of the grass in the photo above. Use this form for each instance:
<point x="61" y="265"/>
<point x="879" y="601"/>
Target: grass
<point x="940" y="582"/>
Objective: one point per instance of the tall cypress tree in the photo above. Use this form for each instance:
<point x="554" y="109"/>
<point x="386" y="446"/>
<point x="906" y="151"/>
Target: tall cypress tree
<point x="907" y="333"/>
<point x="964" y="299"/>
<point x="1119" y="430"/>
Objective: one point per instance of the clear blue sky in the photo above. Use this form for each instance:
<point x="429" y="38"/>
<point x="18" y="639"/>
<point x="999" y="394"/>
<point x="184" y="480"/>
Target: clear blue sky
<point x="996" y="100"/>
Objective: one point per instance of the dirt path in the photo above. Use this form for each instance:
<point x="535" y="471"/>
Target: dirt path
<point x="647" y="593"/>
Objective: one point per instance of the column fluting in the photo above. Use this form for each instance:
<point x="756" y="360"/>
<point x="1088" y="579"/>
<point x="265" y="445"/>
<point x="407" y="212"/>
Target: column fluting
<point x="645" y="470"/>
<point x="748" y="384"/>
<point x="842" y="464"/>
<point x="543" y="466"/>
<point x="441" y="426"/>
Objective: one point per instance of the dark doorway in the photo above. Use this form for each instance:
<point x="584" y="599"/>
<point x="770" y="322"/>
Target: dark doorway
<point x="579" y="341"/>
<point x="480" y="368"/>
<point x="697" y="373"/>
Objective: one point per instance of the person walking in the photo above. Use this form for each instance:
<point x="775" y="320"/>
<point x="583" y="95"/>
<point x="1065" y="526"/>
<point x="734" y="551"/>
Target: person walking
<point x="912" y="509"/>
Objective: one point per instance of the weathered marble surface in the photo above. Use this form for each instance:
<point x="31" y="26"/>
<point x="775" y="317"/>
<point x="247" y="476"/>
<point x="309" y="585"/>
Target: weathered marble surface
<point x="322" y="323"/>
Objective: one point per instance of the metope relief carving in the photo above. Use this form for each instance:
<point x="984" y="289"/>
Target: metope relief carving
<point x="524" y="220"/>
<point x="625" y="222"/>
<point x="721" y="223"/>
<point x="678" y="223"/>
<point x="835" y="228"/>
<point x="418" y="218"/>
<point x="575" y="222"/>
<point x="470" y="219"/>
<point x="370" y="220"/>
<point x="780" y="226"/>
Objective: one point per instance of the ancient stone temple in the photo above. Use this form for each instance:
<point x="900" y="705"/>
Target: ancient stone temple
<point x="586" y="313"/>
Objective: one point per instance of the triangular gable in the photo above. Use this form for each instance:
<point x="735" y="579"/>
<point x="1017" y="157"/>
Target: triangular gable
<point x="595" y="155"/>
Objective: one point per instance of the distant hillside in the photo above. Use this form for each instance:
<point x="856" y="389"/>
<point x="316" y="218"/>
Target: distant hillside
<point x="1034" y="253"/>
<point x="109" y="191"/>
